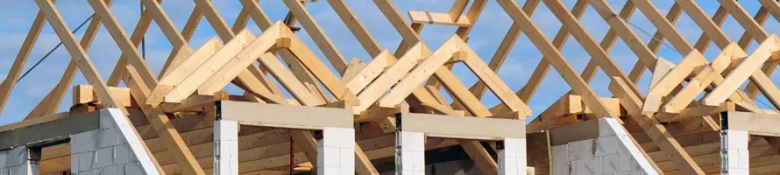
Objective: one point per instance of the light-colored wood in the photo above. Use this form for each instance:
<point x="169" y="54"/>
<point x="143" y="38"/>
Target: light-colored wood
<point x="180" y="45"/>
<point x="703" y="78"/>
<point x="387" y="79"/>
<point x="160" y="123"/>
<point x="457" y="9"/>
<point x="753" y="123"/>
<point x="209" y="67"/>
<point x="138" y="34"/>
<point x="556" y="59"/>
<point x="370" y="72"/>
<point x="356" y="27"/>
<point x="120" y="37"/>
<point x="53" y="100"/>
<point x="743" y="71"/>
<point x="319" y="37"/>
<point x="355" y="65"/>
<point x="318" y="69"/>
<point x="240" y="61"/>
<point x="248" y="113"/>
<point x="662" y="68"/>
<point x="656" y="131"/>
<point x="83" y="94"/>
<point x="195" y="103"/>
<point x="417" y="75"/>
<point x="79" y="56"/>
<point x="21" y="58"/>
<point x="587" y="41"/>
<point x="474" y="128"/>
<point x="263" y="22"/>
<point x="493" y="82"/>
<point x="438" y="18"/>
<point x="669" y="107"/>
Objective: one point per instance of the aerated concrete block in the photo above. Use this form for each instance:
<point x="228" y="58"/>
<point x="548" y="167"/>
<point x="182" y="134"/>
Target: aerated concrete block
<point x="84" y="141"/>
<point x="412" y="152"/>
<point x="512" y="159"/>
<point x="587" y="166"/>
<point x="340" y="137"/>
<point x="86" y="160"/>
<point x="135" y="168"/>
<point x="582" y="149"/>
<point x="336" y="151"/>
<point x="225" y="147"/>
<point x="115" y="148"/>
<point x="123" y="154"/>
<point x="606" y="146"/>
<point x="737" y="139"/>
<point x="104" y="157"/>
<point x="108" y="137"/>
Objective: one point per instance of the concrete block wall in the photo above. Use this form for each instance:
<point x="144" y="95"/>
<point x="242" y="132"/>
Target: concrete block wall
<point x="512" y="159"/>
<point x="225" y="147"/>
<point x="336" y="151"/>
<point x="112" y="149"/>
<point x="736" y="148"/>
<point x="16" y="161"/>
<point x="612" y="152"/>
<point x="412" y="153"/>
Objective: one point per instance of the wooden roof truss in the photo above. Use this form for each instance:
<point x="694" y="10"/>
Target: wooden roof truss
<point x="390" y="84"/>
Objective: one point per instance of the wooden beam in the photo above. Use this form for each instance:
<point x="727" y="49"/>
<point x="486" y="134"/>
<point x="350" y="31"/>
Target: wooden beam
<point x="743" y="71"/>
<point x="120" y="37"/>
<point x="437" y="18"/>
<point x="457" y="9"/>
<point x="356" y="27"/>
<point x="556" y="59"/>
<point x="478" y="128"/>
<point x="263" y="22"/>
<point x="190" y="82"/>
<point x="83" y="94"/>
<point x="753" y="123"/>
<point x="318" y="35"/>
<point x="162" y="125"/>
<point x="21" y="58"/>
<point x="493" y="82"/>
<point x="600" y="56"/>
<point x="655" y="130"/>
<point x="267" y="115"/>
<point x="246" y="57"/>
<point x="138" y="34"/>
<point x="387" y="79"/>
<point x="370" y="72"/>
<point x="181" y="48"/>
<point x="79" y="56"/>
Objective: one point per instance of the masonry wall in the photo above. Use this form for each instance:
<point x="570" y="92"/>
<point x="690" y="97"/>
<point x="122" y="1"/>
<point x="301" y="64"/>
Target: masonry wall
<point x="608" y="151"/>
<point x="112" y="149"/>
<point x="16" y="161"/>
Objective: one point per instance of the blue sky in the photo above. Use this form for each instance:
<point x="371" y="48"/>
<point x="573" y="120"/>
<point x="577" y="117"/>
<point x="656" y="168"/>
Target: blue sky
<point x="487" y="34"/>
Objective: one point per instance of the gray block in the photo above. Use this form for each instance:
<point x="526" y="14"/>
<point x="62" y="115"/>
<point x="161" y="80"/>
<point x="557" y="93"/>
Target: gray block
<point x="123" y="154"/>
<point x="16" y="156"/>
<point x="114" y="169"/>
<point x="606" y="145"/>
<point x="3" y="158"/>
<point x="109" y="137"/>
<point x="134" y="168"/>
<point x="86" y="160"/>
<point x="581" y="150"/>
<point x="104" y="157"/>
<point x="84" y="141"/>
<point x="74" y="162"/>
